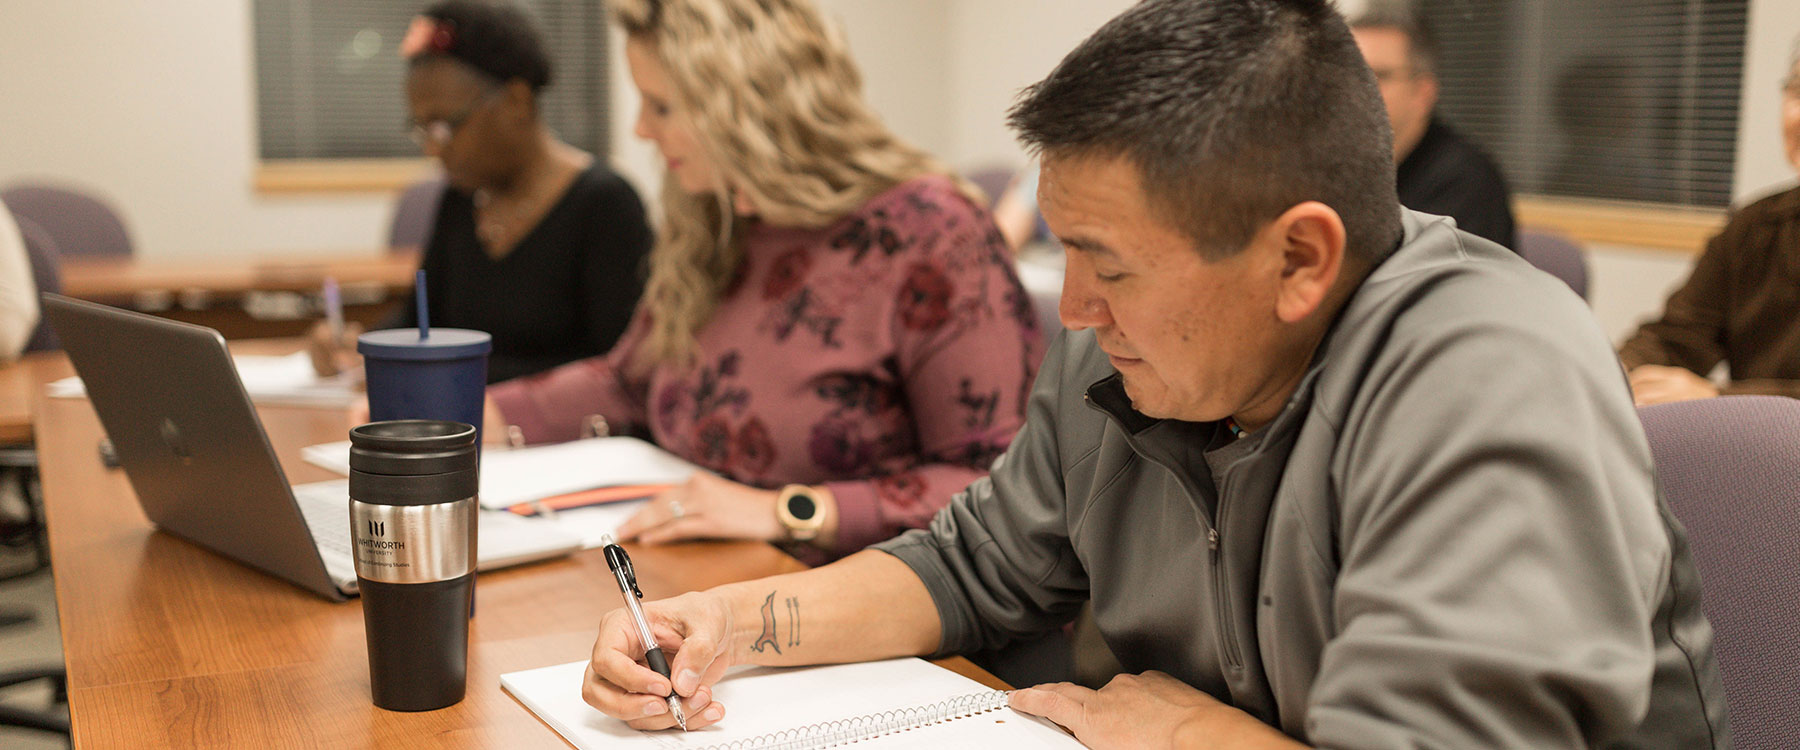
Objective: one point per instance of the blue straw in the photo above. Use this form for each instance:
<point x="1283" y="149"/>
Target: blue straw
<point x="424" y="315"/>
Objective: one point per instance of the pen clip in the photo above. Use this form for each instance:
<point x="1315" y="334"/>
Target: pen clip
<point x="631" y="575"/>
<point x="620" y="562"/>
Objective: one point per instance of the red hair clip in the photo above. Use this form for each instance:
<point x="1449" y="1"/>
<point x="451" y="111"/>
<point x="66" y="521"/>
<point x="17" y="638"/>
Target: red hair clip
<point x="442" y="37"/>
<point x="427" y="35"/>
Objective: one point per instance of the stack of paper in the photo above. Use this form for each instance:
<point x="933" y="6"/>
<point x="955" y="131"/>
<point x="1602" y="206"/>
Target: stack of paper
<point x="287" y="379"/>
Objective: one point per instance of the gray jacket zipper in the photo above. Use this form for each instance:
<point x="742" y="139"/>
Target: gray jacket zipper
<point x="1229" y="652"/>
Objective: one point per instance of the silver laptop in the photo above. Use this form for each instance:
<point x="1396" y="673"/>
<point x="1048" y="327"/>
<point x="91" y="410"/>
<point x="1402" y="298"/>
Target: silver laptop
<point x="195" y="452"/>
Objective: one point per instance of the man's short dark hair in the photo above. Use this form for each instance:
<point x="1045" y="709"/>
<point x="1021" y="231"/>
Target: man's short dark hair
<point x="1421" y="41"/>
<point x="1233" y="111"/>
<point x="495" y="38"/>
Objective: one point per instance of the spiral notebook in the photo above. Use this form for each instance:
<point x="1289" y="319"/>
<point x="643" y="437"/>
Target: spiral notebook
<point x="898" y="703"/>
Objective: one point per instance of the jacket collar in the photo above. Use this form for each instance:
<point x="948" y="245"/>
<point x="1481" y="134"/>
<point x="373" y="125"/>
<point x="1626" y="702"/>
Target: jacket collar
<point x="1109" y="396"/>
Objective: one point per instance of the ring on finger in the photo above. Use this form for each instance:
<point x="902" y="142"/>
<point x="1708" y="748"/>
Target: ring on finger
<point x="676" y="511"/>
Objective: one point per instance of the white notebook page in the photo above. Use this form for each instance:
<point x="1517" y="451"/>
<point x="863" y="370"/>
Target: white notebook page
<point x="760" y="700"/>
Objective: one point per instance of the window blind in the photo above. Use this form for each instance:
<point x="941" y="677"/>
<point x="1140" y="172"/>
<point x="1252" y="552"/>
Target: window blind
<point x="1619" y="99"/>
<point x="331" y="84"/>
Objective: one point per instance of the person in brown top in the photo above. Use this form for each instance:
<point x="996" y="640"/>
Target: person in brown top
<point x="1741" y="304"/>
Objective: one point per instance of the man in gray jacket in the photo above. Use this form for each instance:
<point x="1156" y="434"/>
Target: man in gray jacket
<point x="1332" y="473"/>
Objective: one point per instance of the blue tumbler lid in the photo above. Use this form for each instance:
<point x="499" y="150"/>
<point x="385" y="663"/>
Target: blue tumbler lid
<point x="444" y="343"/>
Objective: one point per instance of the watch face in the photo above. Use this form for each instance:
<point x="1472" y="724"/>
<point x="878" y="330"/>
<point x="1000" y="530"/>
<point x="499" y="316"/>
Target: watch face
<point x="801" y="507"/>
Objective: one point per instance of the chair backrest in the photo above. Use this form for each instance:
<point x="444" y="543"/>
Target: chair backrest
<point x="46" y="272"/>
<point x="415" y="213"/>
<point x="81" y="224"/>
<point x="1730" y="468"/>
<point x="1556" y="255"/>
<point x="991" y="180"/>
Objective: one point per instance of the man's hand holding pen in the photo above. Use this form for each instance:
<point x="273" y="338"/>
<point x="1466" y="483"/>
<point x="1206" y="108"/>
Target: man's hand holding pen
<point x="693" y="630"/>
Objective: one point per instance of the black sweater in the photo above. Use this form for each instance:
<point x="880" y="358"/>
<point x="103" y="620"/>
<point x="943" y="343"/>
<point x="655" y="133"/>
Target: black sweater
<point x="565" y="292"/>
<point x="1448" y="176"/>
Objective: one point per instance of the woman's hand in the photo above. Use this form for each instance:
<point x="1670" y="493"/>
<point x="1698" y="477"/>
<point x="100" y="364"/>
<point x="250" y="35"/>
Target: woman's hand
<point x="494" y="429"/>
<point x="706" y="507"/>
<point x="330" y="357"/>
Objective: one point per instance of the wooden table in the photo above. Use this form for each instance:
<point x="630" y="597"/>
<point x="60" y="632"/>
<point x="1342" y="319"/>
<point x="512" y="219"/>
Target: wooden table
<point x="171" y="646"/>
<point x="245" y="297"/>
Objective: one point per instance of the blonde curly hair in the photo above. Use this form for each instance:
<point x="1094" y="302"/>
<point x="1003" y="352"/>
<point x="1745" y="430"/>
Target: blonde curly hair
<point x="777" y="107"/>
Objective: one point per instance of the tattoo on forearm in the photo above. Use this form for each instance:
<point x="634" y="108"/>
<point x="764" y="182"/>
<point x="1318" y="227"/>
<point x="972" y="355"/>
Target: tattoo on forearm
<point x="768" y="638"/>
<point x="771" y="639"/>
<point x="793" y="607"/>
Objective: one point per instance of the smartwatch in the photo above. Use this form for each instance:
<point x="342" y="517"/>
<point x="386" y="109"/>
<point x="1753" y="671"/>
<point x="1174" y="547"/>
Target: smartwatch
<point x="800" y="512"/>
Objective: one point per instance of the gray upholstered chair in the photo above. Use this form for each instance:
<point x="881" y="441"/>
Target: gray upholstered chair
<point x="1730" y="468"/>
<point x="46" y="272"/>
<point x="415" y="213"/>
<point x="992" y="181"/>
<point x="1556" y="255"/>
<point x="81" y="224"/>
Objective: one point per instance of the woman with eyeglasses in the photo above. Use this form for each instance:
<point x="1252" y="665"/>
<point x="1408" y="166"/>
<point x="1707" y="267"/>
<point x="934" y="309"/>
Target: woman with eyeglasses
<point x="832" y="324"/>
<point x="535" y="241"/>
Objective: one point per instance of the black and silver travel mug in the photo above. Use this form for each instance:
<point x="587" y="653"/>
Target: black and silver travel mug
<point x="412" y="522"/>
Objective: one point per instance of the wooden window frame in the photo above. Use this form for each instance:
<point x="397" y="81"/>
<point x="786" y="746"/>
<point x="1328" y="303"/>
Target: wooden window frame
<point x="291" y="176"/>
<point x="1654" y="226"/>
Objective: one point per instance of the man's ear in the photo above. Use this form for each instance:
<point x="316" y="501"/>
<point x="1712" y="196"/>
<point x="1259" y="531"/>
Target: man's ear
<point x="1311" y="238"/>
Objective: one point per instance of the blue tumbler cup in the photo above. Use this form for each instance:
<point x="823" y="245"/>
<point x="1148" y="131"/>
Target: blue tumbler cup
<point x="440" y="376"/>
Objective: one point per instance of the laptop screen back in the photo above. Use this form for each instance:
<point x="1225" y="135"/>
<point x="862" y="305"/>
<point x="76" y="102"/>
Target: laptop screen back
<point x="188" y="438"/>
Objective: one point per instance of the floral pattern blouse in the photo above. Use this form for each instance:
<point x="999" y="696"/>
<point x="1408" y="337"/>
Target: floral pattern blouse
<point x="887" y="356"/>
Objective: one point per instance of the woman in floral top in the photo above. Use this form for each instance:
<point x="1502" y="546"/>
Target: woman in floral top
<point x="826" y="306"/>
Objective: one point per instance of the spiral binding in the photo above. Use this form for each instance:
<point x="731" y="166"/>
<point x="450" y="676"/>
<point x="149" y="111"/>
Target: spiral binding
<point x="869" y="726"/>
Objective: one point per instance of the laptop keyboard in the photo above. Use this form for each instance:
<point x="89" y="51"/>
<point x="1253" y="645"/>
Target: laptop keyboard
<point x="326" y="509"/>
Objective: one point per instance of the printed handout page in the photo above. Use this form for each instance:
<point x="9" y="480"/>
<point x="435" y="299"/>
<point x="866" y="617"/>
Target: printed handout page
<point x="510" y="477"/>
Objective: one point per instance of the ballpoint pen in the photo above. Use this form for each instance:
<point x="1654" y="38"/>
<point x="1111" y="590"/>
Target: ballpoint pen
<point x="334" y="310"/>
<point x="620" y="563"/>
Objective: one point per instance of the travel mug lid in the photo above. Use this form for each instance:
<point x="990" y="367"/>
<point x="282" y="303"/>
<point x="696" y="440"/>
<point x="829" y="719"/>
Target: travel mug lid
<point x="412" y="447"/>
<point x="443" y="343"/>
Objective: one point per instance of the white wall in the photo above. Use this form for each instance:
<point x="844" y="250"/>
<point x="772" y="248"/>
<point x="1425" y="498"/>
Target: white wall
<point x="998" y="47"/>
<point x="152" y="104"/>
<point x="901" y="48"/>
<point x="1762" y="164"/>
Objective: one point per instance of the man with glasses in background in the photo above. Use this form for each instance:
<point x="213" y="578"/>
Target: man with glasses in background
<point x="1439" y="172"/>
